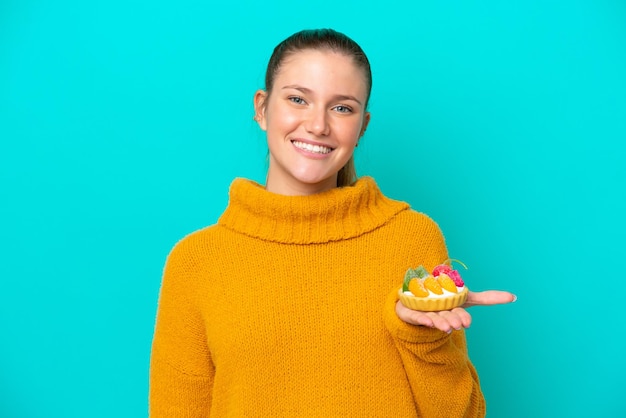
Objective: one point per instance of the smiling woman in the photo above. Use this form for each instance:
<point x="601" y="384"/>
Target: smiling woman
<point x="313" y="119"/>
<point x="257" y="315"/>
<point x="315" y="52"/>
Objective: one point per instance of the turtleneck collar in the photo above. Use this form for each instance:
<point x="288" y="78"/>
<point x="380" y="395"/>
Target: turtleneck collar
<point x="337" y="214"/>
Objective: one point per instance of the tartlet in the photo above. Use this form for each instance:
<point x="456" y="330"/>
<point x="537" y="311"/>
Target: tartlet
<point x="441" y="290"/>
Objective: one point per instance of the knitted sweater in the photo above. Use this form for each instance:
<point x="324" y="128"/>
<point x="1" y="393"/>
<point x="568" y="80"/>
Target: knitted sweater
<point x="286" y="308"/>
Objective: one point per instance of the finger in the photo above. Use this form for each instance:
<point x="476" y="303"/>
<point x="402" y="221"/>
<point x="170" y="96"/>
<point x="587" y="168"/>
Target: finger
<point x="453" y="318"/>
<point x="458" y="318"/>
<point x="489" y="297"/>
<point x="440" y="321"/>
<point x="444" y="321"/>
<point x="413" y="317"/>
<point x="466" y="318"/>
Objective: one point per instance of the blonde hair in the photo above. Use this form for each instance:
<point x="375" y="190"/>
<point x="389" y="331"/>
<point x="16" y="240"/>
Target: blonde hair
<point x="347" y="175"/>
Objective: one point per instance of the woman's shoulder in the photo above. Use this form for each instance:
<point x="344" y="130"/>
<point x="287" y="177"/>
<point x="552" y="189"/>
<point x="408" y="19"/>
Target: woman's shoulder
<point x="198" y="243"/>
<point x="420" y="236"/>
<point x="412" y="220"/>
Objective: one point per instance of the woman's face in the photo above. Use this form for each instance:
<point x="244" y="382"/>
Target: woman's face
<point x="313" y="118"/>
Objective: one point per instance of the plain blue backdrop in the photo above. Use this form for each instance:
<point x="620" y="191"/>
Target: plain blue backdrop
<point x="122" y="124"/>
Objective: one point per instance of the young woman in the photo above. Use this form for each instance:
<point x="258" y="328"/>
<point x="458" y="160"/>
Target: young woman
<point x="288" y="305"/>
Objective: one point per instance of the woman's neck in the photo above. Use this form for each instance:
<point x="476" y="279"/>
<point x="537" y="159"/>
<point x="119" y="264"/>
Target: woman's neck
<point x="289" y="186"/>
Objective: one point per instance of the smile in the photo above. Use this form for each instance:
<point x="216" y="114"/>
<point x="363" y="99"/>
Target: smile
<point x="317" y="149"/>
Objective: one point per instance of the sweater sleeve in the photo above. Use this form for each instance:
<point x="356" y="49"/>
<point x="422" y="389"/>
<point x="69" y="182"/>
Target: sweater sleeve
<point x="181" y="370"/>
<point x="443" y="381"/>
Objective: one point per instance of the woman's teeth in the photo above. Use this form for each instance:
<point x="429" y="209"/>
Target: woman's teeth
<point x="318" y="149"/>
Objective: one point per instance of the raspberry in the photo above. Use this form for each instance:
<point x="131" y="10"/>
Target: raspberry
<point x="441" y="268"/>
<point x="433" y="285"/>
<point x="446" y="282"/>
<point x="416" y="287"/>
<point x="456" y="278"/>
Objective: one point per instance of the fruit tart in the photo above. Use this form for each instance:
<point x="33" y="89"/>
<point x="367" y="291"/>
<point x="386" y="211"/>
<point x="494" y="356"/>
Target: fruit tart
<point x="440" y="290"/>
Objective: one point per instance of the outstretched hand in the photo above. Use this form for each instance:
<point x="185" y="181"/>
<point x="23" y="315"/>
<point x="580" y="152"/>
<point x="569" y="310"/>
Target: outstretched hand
<point x="456" y="318"/>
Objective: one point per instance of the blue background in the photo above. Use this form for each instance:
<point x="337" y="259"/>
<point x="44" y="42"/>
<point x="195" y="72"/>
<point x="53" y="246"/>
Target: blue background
<point x="122" y="124"/>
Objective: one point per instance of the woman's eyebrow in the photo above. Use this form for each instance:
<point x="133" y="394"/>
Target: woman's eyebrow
<point x="309" y="91"/>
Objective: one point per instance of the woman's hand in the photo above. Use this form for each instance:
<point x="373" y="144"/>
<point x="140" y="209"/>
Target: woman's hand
<point x="456" y="318"/>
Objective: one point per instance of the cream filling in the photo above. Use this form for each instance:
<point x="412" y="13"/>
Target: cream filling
<point x="432" y="295"/>
<point x="317" y="149"/>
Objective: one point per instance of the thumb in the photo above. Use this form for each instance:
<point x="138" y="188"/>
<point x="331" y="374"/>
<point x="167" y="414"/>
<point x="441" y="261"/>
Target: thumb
<point x="489" y="297"/>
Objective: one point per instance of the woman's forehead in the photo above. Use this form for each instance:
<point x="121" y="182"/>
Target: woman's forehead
<point x="319" y="69"/>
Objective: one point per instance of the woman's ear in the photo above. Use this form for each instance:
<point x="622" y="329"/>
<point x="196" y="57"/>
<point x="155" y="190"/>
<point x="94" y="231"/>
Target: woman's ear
<point x="259" y="108"/>
<point x="366" y="121"/>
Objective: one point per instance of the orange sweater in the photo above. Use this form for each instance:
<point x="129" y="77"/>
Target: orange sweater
<point x="286" y="308"/>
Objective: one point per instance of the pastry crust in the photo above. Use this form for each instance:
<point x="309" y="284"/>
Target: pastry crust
<point x="429" y="304"/>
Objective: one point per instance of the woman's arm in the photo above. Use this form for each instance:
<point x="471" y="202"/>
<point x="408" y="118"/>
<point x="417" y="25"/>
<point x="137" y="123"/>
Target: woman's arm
<point x="181" y="370"/>
<point x="443" y="380"/>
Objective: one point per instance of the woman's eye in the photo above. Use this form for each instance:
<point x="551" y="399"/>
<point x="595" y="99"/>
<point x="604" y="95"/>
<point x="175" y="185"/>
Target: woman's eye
<point x="343" y="109"/>
<point x="297" y="100"/>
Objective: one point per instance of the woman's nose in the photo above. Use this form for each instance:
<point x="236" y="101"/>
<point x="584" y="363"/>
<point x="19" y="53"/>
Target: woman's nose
<point x="317" y="122"/>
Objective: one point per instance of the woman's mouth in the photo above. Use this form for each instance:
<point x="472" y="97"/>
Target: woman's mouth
<point x="316" y="149"/>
